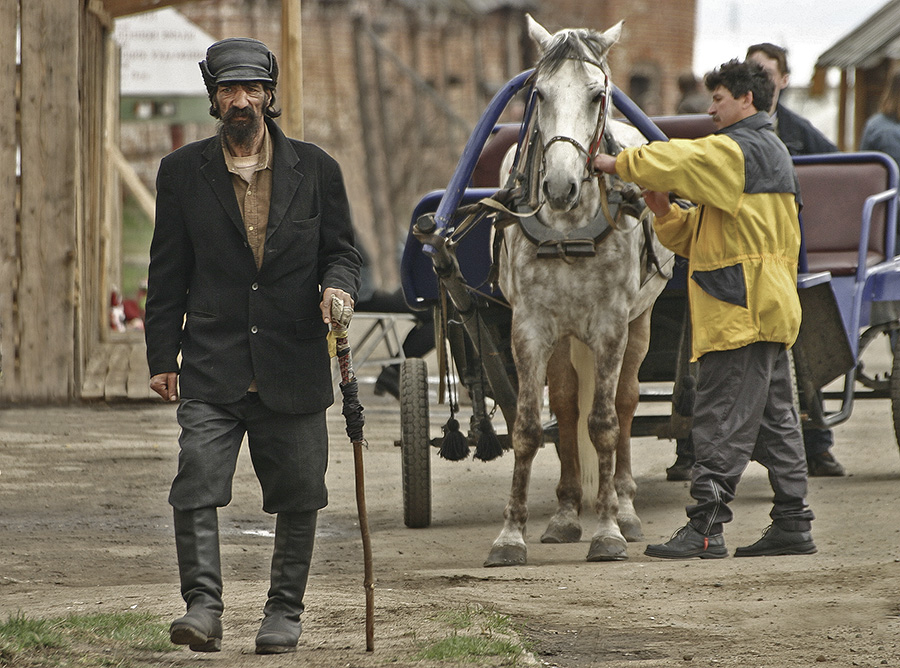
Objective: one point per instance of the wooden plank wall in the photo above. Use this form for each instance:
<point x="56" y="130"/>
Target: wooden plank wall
<point x="52" y="208"/>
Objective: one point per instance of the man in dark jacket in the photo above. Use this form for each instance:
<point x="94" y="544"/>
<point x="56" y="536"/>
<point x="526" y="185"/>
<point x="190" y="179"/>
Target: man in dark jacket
<point x="801" y="138"/>
<point x="253" y="238"/>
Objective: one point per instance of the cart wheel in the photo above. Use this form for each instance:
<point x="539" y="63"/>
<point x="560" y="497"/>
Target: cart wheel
<point x="415" y="443"/>
<point x="895" y="390"/>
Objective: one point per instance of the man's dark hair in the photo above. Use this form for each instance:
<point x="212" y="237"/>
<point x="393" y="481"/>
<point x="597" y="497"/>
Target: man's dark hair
<point x="740" y="77"/>
<point x="773" y="51"/>
<point x="271" y="110"/>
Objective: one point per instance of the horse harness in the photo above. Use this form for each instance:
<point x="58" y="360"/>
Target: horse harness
<point x="518" y="201"/>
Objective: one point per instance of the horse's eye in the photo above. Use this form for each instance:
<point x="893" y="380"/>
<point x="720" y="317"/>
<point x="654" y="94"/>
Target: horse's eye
<point x="539" y="95"/>
<point x="598" y="97"/>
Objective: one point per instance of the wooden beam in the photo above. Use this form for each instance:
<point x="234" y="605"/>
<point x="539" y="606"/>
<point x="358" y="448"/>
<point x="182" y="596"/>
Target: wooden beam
<point x="290" y="84"/>
<point x="117" y="8"/>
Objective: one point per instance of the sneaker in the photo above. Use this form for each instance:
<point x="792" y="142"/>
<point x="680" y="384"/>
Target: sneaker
<point x="824" y="465"/>
<point x="687" y="543"/>
<point x="777" y="541"/>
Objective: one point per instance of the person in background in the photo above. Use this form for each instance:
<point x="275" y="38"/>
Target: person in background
<point x="801" y="138"/>
<point x="882" y="131"/>
<point x="797" y="133"/>
<point x="742" y="243"/>
<point x="694" y="99"/>
<point x="252" y="240"/>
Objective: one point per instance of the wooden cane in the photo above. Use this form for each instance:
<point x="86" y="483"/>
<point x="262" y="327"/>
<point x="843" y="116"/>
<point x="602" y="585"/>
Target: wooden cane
<point x="340" y="317"/>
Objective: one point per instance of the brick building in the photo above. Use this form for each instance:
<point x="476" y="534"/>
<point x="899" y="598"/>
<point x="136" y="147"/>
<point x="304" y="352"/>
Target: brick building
<point x="392" y="88"/>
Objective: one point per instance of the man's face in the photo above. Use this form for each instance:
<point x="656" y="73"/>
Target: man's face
<point x="241" y="107"/>
<point x="770" y="65"/>
<point x="727" y="109"/>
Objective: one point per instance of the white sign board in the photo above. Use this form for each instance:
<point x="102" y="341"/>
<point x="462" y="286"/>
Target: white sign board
<point x="160" y="54"/>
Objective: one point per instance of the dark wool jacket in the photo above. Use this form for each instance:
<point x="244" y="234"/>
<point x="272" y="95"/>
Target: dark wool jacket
<point x="206" y="299"/>
<point x="799" y="135"/>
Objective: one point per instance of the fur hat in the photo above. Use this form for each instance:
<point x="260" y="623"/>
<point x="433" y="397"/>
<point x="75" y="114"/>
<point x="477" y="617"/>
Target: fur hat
<point x="238" y="59"/>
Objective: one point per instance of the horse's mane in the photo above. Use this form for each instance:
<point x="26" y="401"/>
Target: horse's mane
<point x="576" y="44"/>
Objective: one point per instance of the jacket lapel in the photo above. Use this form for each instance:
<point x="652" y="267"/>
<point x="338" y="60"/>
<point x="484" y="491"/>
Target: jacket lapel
<point x="286" y="177"/>
<point x="216" y="174"/>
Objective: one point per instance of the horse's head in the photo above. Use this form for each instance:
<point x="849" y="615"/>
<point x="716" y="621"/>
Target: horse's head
<point x="572" y="97"/>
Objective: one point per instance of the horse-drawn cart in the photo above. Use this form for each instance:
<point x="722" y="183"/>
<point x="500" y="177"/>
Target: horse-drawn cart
<point x="849" y="286"/>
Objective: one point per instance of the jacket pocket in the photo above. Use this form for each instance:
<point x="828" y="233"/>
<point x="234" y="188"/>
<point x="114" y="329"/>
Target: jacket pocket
<point x="726" y="284"/>
<point x="310" y="328"/>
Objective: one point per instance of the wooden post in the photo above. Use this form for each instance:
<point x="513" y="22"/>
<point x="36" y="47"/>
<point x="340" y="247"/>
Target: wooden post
<point x="290" y="85"/>
<point x="51" y="173"/>
<point x="9" y="188"/>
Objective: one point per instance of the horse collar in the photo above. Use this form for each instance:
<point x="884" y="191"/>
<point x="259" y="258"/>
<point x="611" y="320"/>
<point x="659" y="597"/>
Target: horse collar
<point x="580" y="242"/>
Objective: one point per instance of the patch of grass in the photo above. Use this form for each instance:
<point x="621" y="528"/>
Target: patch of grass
<point x="476" y="632"/>
<point x="88" y="641"/>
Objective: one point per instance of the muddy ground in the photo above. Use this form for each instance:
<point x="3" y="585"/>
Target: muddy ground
<point x="84" y="527"/>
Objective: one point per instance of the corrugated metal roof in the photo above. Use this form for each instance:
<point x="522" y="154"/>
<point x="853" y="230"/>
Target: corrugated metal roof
<point x="869" y="43"/>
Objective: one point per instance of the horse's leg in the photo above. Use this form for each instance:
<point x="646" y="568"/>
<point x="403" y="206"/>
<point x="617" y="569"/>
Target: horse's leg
<point x="564" y="526"/>
<point x="531" y="357"/>
<point x="607" y="543"/>
<point x="627" y="396"/>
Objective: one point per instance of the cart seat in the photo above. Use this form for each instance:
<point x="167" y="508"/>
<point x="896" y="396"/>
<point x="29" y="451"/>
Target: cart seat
<point x="487" y="170"/>
<point x="685" y="126"/>
<point x="834" y="193"/>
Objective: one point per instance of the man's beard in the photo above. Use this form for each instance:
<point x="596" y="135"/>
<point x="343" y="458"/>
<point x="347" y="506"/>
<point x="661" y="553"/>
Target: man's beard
<point x="240" y="127"/>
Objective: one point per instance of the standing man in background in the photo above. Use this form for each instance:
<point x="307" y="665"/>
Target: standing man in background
<point x="253" y="238"/>
<point x="801" y="138"/>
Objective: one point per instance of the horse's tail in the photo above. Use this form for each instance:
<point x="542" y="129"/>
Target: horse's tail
<point x="583" y="360"/>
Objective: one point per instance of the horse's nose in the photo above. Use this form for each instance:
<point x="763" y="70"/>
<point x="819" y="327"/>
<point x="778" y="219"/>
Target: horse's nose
<point x="562" y="194"/>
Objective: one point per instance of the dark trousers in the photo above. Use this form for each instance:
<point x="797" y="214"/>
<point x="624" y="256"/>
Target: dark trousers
<point x="289" y="455"/>
<point x="745" y="410"/>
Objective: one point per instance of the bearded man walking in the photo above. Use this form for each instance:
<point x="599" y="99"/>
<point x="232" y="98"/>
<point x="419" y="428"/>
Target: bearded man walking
<point x="253" y="237"/>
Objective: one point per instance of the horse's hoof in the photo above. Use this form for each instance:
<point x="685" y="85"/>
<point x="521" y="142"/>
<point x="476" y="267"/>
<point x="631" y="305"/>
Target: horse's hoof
<point x="607" y="548"/>
<point x="562" y="532"/>
<point x="631" y="528"/>
<point x="506" y="555"/>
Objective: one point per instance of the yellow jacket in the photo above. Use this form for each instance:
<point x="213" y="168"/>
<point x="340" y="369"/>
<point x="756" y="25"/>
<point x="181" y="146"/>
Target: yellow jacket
<point x="742" y="240"/>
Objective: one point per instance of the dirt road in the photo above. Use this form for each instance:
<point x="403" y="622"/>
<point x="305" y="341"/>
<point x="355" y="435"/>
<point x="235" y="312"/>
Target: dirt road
<point x="84" y="527"/>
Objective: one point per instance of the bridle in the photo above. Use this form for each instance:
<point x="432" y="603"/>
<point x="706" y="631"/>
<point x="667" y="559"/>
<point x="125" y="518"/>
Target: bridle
<point x="599" y="128"/>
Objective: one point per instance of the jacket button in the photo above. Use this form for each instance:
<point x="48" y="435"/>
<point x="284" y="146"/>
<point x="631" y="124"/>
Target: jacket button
<point x="255" y="286"/>
<point x="254" y="329"/>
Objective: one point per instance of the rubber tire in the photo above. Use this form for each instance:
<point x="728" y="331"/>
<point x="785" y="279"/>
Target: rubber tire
<point x="415" y="443"/>
<point x="895" y="390"/>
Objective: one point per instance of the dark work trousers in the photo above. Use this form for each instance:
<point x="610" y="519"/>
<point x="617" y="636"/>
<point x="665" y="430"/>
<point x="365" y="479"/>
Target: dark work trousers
<point x="745" y="410"/>
<point x="289" y="454"/>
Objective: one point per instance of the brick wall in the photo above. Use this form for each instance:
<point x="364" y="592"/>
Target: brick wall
<point x="408" y="143"/>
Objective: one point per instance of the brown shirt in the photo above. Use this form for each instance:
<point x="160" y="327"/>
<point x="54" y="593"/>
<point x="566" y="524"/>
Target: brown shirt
<point x="253" y="189"/>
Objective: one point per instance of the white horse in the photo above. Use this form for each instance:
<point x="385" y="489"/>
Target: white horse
<point x="580" y="312"/>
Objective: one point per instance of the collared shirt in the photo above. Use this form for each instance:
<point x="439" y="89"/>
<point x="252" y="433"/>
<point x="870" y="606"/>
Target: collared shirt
<point x="253" y="188"/>
<point x="252" y="180"/>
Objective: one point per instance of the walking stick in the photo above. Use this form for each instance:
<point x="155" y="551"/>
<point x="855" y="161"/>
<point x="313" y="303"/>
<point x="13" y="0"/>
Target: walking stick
<point x="353" y="413"/>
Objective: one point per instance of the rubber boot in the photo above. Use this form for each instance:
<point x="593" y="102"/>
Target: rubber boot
<point x="197" y="545"/>
<point x="295" y="535"/>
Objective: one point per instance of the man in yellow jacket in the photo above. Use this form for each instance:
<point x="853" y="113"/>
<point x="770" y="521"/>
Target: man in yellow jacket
<point x="742" y="241"/>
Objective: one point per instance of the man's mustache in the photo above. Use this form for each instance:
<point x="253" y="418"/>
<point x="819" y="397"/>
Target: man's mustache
<point x="234" y="114"/>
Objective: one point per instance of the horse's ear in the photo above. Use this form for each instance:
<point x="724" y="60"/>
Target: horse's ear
<point x="538" y="33"/>
<point x="612" y="35"/>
